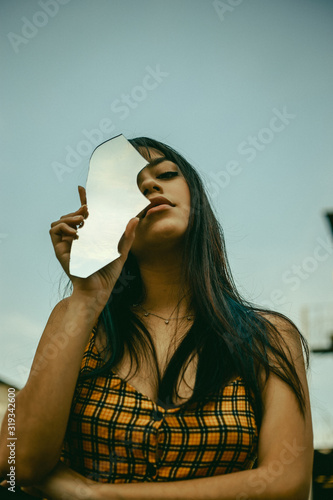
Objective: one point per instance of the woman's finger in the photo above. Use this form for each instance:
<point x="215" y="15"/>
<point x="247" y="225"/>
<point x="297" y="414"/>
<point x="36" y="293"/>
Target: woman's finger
<point x="75" y="221"/>
<point x="83" y="210"/>
<point x="82" y="194"/>
<point x="127" y="238"/>
<point x="30" y="490"/>
<point x="62" y="229"/>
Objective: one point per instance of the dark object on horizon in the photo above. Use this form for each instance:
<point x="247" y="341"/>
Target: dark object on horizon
<point x="324" y="350"/>
<point x="329" y="215"/>
<point x="322" y="486"/>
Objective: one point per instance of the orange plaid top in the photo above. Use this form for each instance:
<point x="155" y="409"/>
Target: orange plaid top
<point x="115" y="434"/>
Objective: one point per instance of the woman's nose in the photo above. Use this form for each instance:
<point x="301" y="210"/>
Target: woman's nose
<point x="149" y="186"/>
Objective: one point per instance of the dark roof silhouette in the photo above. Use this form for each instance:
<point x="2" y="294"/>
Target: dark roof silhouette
<point x="329" y="215"/>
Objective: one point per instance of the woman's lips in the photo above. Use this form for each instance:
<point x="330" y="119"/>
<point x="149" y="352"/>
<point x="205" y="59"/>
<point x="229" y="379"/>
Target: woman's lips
<point x="157" y="201"/>
<point x="158" y="208"/>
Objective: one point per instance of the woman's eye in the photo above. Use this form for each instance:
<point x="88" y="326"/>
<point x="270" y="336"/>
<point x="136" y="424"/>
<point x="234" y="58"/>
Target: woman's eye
<point x="167" y="175"/>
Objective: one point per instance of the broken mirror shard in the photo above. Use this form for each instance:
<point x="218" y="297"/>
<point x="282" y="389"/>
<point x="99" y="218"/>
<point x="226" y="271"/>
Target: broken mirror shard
<point x="113" y="198"/>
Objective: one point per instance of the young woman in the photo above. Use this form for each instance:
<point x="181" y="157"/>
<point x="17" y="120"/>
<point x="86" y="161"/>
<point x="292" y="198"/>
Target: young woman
<point x="154" y="379"/>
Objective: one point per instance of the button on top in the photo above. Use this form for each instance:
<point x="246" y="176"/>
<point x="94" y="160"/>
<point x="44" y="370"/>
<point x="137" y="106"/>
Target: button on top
<point x="157" y="415"/>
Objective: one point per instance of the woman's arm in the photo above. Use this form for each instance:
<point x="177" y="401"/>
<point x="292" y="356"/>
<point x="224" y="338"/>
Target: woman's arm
<point x="285" y="456"/>
<point x="43" y="405"/>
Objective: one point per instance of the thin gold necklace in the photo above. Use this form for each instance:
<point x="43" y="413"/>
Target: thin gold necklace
<point x="166" y="320"/>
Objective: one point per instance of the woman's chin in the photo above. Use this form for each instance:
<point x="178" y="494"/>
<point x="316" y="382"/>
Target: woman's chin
<point x="158" y="238"/>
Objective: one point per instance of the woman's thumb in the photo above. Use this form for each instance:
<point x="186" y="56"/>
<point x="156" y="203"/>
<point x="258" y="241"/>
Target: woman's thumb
<point x="127" y="238"/>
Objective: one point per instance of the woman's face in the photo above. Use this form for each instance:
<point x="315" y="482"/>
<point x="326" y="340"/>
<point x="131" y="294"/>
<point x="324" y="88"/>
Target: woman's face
<point x="162" y="182"/>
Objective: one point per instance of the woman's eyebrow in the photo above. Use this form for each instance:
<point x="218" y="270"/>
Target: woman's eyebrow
<point x="152" y="163"/>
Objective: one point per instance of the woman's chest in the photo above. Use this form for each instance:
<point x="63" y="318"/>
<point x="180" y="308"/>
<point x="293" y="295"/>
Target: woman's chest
<point x="144" y="379"/>
<point x="121" y="436"/>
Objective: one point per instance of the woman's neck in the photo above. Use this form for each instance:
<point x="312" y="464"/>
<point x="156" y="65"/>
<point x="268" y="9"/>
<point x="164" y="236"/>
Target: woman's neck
<point x="162" y="278"/>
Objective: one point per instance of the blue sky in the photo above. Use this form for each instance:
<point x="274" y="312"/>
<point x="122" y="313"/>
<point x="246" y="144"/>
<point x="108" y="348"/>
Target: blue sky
<point x="244" y="92"/>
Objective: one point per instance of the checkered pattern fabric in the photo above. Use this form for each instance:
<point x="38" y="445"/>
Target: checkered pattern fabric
<point x="115" y="434"/>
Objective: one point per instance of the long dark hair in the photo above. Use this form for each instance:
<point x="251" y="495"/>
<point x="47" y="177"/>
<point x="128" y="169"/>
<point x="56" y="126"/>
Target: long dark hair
<point x="231" y="336"/>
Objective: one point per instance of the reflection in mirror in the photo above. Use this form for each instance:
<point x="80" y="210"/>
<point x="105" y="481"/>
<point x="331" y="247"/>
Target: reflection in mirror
<point x="113" y="198"/>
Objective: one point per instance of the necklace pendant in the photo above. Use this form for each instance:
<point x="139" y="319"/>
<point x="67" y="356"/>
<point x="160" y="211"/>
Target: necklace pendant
<point x="146" y="314"/>
<point x="166" y="321"/>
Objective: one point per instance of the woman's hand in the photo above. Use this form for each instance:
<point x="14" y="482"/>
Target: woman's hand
<point x="64" y="231"/>
<point x="61" y="483"/>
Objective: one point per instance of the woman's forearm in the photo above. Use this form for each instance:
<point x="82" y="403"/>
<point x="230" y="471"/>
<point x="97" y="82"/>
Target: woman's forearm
<point x="257" y="484"/>
<point x="264" y="483"/>
<point x="43" y="405"/>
